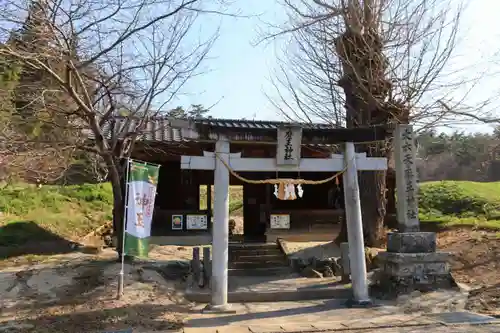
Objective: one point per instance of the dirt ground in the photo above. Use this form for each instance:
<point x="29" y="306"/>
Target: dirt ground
<point x="476" y="262"/>
<point x="78" y="294"/>
<point x="51" y="294"/>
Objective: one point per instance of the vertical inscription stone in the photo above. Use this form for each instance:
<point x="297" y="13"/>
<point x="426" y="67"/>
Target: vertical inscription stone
<point x="406" y="179"/>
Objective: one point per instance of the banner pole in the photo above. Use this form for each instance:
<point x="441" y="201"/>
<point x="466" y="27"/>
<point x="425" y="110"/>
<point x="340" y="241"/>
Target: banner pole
<point x="122" y="269"/>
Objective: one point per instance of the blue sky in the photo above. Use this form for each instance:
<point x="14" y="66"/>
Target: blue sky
<point x="239" y="72"/>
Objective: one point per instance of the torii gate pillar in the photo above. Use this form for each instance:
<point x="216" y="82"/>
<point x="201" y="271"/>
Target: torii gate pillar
<point x="355" y="227"/>
<point x="220" y="230"/>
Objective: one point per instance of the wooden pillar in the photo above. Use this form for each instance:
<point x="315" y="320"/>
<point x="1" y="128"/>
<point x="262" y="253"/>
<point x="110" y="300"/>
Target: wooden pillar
<point x="209" y="205"/>
<point x="268" y="206"/>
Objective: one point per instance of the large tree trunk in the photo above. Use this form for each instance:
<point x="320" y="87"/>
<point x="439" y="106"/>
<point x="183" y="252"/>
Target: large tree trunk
<point x="373" y="183"/>
<point x="365" y="89"/>
<point x="373" y="201"/>
<point x="390" y="217"/>
<point x="373" y="209"/>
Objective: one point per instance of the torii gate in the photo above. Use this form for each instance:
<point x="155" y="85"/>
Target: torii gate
<point x="351" y="161"/>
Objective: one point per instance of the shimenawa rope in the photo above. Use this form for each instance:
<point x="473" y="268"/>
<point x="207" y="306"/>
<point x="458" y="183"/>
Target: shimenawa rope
<point x="278" y="181"/>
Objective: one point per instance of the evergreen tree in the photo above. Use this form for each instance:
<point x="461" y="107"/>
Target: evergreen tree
<point x="42" y="108"/>
<point x="195" y="112"/>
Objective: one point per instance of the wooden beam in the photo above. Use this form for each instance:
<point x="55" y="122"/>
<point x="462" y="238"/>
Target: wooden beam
<point x="239" y="164"/>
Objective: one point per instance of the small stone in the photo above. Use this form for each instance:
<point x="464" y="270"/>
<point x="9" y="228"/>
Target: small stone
<point x="371" y="254"/>
<point x="301" y="263"/>
<point x="108" y="240"/>
<point x="337" y="267"/>
<point x="403" y="298"/>
<point x="322" y="263"/>
<point x="328" y="272"/>
<point x="232" y="227"/>
<point x="310" y="272"/>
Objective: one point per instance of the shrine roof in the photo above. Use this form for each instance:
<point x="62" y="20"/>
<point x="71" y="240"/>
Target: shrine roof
<point x="163" y="129"/>
<point x="256" y="124"/>
<point x="167" y="129"/>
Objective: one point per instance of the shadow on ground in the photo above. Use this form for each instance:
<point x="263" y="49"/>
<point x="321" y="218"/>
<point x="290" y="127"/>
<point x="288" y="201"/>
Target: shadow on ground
<point x="67" y="284"/>
<point x="150" y="316"/>
<point x="28" y="238"/>
<point x="304" y="310"/>
<point x="77" y="283"/>
<point x="81" y="297"/>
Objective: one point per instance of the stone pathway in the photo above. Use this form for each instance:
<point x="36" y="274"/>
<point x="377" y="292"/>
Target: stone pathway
<point x="290" y="287"/>
<point x="332" y="316"/>
<point x="410" y="329"/>
<point x="347" y="327"/>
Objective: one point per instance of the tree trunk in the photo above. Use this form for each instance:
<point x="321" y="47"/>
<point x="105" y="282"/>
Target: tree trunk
<point x="118" y="202"/>
<point x="373" y="203"/>
<point x="342" y="236"/>
<point x="373" y="184"/>
<point x="373" y="209"/>
<point x="390" y="217"/>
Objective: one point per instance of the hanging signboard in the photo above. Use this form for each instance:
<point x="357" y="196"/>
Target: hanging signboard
<point x="280" y="221"/>
<point x="196" y="222"/>
<point x="289" y="143"/>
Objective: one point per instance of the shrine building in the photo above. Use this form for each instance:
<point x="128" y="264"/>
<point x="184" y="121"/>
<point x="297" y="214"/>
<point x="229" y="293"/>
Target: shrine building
<point x="257" y="150"/>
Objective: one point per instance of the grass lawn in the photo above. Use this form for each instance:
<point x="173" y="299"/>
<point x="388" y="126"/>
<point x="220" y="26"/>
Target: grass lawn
<point x="460" y="203"/>
<point x="70" y="212"/>
<point x="50" y="212"/>
<point x="29" y="213"/>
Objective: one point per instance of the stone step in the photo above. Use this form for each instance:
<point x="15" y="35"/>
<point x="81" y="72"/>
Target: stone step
<point x="259" y="258"/>
<point x="256" y="252"/>
<point x="254" y="246"/>
<point x="271" y="271"/>
<point x="256" y="265"/>
<point x="340" y="294"/>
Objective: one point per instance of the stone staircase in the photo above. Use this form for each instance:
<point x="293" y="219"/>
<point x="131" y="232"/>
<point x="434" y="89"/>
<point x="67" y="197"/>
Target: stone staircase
<point x="257" y="260"/>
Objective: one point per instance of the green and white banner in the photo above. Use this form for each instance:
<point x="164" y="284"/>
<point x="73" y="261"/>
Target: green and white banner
<point x="141" y="192"/>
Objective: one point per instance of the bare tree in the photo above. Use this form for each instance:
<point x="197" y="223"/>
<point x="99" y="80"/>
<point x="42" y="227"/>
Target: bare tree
<point x="105" y="60"/>
<point x="359" y="63"/>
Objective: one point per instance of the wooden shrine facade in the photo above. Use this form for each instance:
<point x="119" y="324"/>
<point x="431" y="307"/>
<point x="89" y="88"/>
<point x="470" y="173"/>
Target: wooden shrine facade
<point x="178" y="217"/>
